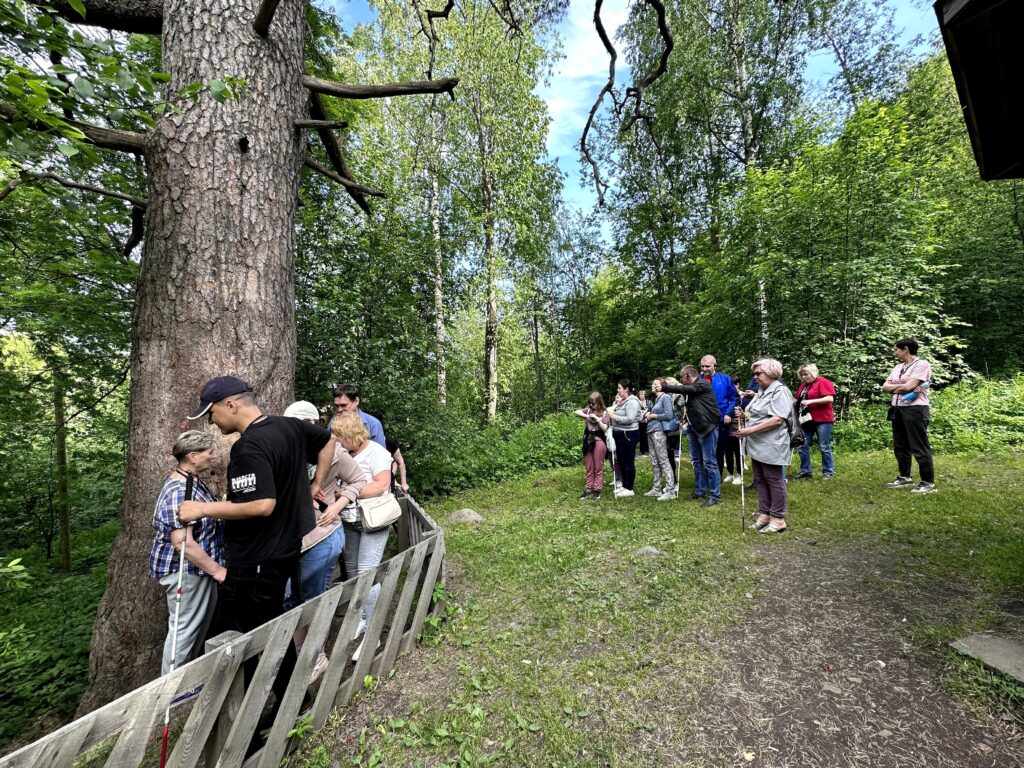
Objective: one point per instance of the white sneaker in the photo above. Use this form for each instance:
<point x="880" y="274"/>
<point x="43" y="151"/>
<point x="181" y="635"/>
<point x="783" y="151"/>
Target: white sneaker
<point x="319" y="668"/>
<point x="727" y="479"/>
<point x="359" y="650"/>
<point x="737" y="480"/>
<point x="653" y="492"/>
<point x="618" y="485"/>
<point x="668" y="496"/>
<point x="624" y="493"/>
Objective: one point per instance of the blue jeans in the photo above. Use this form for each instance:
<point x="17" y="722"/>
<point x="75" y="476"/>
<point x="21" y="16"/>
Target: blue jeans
<point x="705" y="464"/>
<point x="823" y="429"/>
<point x="315" y="569"/>
<point x="364" y="551"/>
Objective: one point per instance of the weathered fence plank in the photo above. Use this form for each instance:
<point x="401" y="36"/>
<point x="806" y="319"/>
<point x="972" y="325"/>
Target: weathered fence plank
<point x="203" y="718"/>
<point x="258" y="690"/>
<point x="288" y="708"/>
<point x="393" y="568"/>
<point x="131" y="746"/>
<point x="412" y="578"/>
<point x="426" y="594"/>
<point x="234" y="695"/>
<point x="331" y="681"/>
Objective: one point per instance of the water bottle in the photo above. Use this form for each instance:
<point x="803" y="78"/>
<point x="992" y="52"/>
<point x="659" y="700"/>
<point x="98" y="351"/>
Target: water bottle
<point x="912" y="396"/>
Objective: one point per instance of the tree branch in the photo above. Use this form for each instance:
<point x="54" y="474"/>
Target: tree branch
<point x="637" y="92"/>
<point x="138" y="227"/>
<point x="265" y="15"/>
<point x="11" y="185"/>
<point x="346" y="91"/>
<point x="318" y="124"/>
<point x="120" y="382"/>
<point x="330" y="142"/>
<point x="429" y="32"/>
<point x="141" y="16"/>
<point x="138" y="202"/>
<point x="105" y="138"/>
<point x="609" y="88"/>
<point x="347" y="183"/>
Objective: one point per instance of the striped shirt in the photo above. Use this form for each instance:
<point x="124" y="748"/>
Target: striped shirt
<point x="208" y="533"/>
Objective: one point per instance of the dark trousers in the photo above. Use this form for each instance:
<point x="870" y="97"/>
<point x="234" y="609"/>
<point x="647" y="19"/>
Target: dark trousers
<point x="253" y="596"/>
<point x="732" y="453"/>
<point x="625" y="455"/>
<point x="724" y="435"/>
<point x="772" y="493"/>
<point x="643" y="438"/>
<point x="910" y="438"/>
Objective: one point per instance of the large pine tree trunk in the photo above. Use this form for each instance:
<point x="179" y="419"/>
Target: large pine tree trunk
<point x="216" y="289"/>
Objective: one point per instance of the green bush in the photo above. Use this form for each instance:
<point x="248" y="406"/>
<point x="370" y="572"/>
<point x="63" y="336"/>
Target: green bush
<point x="44" y="658"/>
<point x="975" y="415"/>
<point x="451" y="456"/>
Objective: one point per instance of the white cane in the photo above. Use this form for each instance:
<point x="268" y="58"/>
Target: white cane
<point x="177" y="618"/>
<point x="743" y="485"/>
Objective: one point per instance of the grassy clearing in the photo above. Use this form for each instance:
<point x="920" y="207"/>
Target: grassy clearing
<point x="569" y="649"/>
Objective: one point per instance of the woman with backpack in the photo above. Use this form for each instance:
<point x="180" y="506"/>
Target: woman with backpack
<point x="769" y="431"/>
<point x="659" y="419"/>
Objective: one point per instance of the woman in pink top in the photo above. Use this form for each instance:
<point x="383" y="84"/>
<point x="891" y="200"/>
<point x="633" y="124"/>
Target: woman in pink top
<point x="910" y="412"/>
<point x="815" y="396"/>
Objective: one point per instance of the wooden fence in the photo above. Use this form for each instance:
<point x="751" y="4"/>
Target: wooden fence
<point x="217" y="725"/>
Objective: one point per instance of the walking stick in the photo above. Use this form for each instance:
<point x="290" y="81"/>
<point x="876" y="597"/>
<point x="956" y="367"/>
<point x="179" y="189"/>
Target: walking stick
<point x="743" y="480"/>
<point x="177" y="617"/>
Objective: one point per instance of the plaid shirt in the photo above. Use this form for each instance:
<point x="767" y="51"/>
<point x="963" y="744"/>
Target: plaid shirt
<point x="208" y="533"/>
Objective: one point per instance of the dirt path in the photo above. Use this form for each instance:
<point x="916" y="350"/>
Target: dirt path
<point x="820" y="674"/>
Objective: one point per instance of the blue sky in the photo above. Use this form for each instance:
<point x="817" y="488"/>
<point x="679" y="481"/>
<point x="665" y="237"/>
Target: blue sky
<point x="583" y="70"/>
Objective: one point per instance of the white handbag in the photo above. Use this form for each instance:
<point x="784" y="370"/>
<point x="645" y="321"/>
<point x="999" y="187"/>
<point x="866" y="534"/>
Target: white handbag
<point x="379" y="512"/>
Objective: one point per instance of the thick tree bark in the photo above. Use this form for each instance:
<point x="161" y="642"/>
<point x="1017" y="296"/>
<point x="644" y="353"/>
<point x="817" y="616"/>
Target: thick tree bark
<point x="216" y="289"/>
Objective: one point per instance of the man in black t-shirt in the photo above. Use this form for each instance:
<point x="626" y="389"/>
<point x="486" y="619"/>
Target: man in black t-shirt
<point x="269" y="506"/>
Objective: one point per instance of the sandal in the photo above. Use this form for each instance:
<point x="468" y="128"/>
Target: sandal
<point x="773" y="528"/>
<point x="758" y="526"/>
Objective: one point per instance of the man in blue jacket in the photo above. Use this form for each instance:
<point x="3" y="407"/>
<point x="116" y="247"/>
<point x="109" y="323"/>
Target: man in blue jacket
<point x="725" y="394"/>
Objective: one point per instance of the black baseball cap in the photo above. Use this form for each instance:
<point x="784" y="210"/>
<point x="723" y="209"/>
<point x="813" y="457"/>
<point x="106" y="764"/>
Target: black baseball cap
<point x="217" y="389"/>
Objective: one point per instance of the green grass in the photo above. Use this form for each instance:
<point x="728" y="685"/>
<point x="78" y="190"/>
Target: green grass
<point x="565" y="639"/>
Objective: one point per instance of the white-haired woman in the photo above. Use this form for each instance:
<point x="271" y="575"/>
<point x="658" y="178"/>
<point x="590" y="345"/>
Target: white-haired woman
<point x="204" y="550"/>
<point x="769" y="424"/>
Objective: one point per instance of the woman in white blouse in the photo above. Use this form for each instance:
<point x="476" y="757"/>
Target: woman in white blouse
<point x="363" y="549"/>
